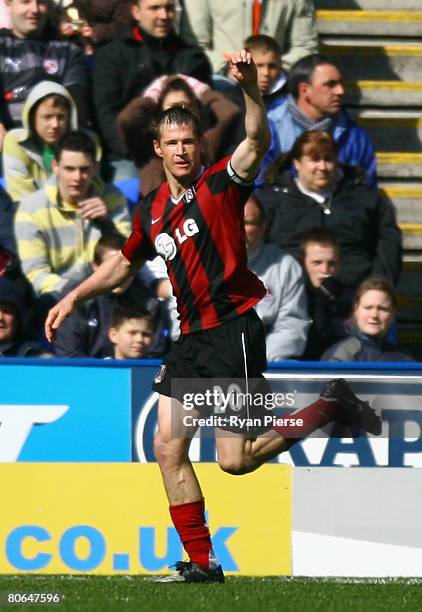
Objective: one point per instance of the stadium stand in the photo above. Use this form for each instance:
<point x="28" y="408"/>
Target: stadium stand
<point x="380" y="51"/>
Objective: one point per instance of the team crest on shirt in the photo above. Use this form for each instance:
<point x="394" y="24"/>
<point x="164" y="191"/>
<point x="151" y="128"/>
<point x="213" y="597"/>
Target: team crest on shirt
<point x="51" y="66"/>
<point x="165" y="246"/>
<point x="189" y="195"/>
<point x="160" y="374"/>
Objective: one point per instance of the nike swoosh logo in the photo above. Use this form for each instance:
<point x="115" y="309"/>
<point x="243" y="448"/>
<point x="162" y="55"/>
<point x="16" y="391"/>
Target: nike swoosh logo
<point x="155" y="220"/>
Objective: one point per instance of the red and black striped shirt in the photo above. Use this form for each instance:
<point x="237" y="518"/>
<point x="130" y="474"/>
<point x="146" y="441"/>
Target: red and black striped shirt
<point x="202" y="239"/>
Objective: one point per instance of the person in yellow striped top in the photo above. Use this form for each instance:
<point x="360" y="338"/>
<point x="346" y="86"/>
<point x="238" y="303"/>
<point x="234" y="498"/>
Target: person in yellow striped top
<point x="58" y="226"/>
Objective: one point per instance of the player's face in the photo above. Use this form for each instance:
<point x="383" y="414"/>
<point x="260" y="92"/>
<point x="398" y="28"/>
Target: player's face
<point x="156" y="17"/>
<point x="268" y="65"/>
<point x="325" y="92"/>
<point x="51" y="121"/>
<point x="374" y="313"/>
<point x="8" y="322"/>
<point x="321" y="261"/>
<point x="74" y="172"/>
<point x="28" y="17"/>
<point x="254" y="226"/>
<point x="316" y="171"/>
<point x="132" y="339"/>
<point x="180" y="150"/>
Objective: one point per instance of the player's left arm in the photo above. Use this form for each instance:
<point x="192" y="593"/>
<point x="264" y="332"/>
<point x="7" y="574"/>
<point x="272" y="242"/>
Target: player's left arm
<point x="247" y="157"/>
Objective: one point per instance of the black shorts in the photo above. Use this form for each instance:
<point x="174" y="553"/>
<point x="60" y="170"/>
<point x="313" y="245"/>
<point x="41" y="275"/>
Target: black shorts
<point x="233" y="353"/>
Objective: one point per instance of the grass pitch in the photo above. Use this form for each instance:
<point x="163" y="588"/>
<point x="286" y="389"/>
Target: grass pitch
<point x="127" y="593"/>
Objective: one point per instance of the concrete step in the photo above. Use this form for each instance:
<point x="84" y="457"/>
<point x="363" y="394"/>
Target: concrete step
<point x="407" y="202"/>
<point x="362" y="60"/>
<point x="392" y="130"/>
<point x="370" y="23"/>
<point x="368" y="5"/>
<point x="399" y="165"/>
<point x="412" y="262"/>
<point x="412" y="236"/>
<point x="409" y="290"/>
<point x="383" y="93"/>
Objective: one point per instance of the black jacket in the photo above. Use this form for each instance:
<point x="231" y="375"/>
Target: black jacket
<point x="125" y="67"/>
<point x="85" y="332"/>
<point x="329" y="309"/>
<point x="19" y="347"/>
<point x="26" y="62"/>
<point x="362" y="220"/>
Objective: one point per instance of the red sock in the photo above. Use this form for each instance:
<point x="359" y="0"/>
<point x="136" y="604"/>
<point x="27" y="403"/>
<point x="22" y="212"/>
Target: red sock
<point x="189" y="520"/>
<point x="314" y="417"/>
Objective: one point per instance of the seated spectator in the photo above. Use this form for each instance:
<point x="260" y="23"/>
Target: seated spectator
<point x="9" y="262"/>
<point x="220" y="27"/>
<point x="131" y="332"/>
<point x="49" y="112"/>
<point x="373" y="311"/>
<point x="324" y="194"/>
<point x="283" y="310"/>
<point x="216" y="112"/>
<point x="272" y="80"/>
<point x="125" y="67"/>
<point x="58" y="226"/>
<point x="14" y="342"/>
<point x="315" y="103"/>
<point x="94" y="22"/>
<point x="85" y="332"/>
<point x="328" y="302"/>
<point x="30" y="52"/>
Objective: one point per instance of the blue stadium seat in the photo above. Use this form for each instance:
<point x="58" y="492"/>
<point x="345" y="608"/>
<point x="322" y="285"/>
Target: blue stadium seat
<point x="130" y="189"/>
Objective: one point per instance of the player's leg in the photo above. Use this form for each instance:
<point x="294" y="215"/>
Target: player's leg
<point x="187" y="508"/>
<point x="171" y="448"/>
<point x="237" y="454"/>
<point x="240" y="454"/>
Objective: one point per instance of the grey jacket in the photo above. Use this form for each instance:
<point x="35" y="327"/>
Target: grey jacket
<point x="284" y="310"/>
<point x="221" y="26"/>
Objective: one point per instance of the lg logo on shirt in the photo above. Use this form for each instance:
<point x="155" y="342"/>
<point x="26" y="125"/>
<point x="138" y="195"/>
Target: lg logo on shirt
<point x="166" y="246"/>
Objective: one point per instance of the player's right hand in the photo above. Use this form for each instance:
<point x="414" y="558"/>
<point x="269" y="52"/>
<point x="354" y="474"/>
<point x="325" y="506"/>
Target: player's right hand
<point x="242" y="68"/>
<point x="57" y="315"/>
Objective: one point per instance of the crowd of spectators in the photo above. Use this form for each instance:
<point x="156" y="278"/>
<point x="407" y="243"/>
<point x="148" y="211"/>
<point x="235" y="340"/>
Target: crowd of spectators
<point x="82" y="84"/>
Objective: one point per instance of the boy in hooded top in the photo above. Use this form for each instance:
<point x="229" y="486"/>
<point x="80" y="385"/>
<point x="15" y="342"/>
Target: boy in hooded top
<point x="49" y="112"/>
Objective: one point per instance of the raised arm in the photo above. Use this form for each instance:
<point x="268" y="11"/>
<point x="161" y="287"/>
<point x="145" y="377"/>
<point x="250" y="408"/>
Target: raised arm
<point x="246" y="159"/>
<point x="112" y="272"/>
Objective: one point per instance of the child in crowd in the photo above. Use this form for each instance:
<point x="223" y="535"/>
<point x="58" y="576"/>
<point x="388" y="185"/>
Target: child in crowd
<point x="272" y="82"/>
<point x="49" y="113"/>
<point x="131" y="332"/>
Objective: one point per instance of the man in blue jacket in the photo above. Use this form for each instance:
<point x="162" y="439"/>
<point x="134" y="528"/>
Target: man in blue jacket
<point x="315" y="103"/>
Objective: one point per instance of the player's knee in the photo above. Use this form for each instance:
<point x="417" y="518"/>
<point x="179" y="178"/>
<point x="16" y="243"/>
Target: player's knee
<point x="166" y="452"/>
<point x="233" y="465"/>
